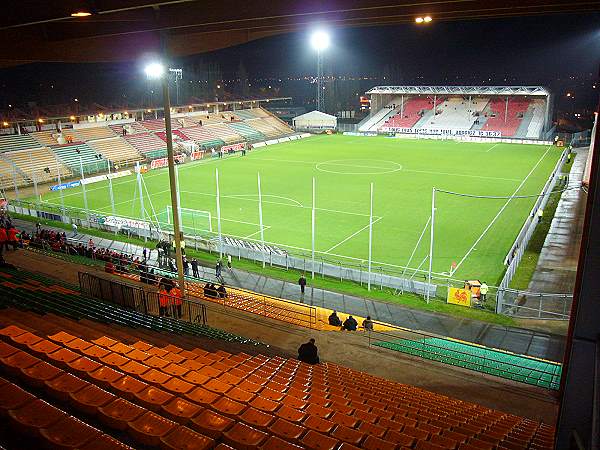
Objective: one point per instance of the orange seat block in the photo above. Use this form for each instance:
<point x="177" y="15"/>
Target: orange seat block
<point x="317" y="441"/>
<point x="201" y="396"/>
<point x="244" y="437"/>
<point x="217" y="386"/>
<point x="83" y="365"/>
<point x="287" y="430"/>
<point x="349" y="435"/>
<point x="156" y="362"/>
<point x="318" y="424"/>
<point x="43" y="347"/>
<point x="239" y="395"/>
<point x="69" y="433"/>
<point x="264" y="404"/>
<point x="24" y="340"/>
<point x="12" y="330"/>
<point x="17" y="361"/>
<point x="37" y="374"/>
<point x="134" y="368"/>
<point x="175" y="370"/>
<point x="375" y="443"/>
<point x="104" y="341"/>
<point x="90" y="398"/>
<point x="211" y="423"/>
<point x="178" y="386"/>
<point x="228" y="407"/>
<point x="63" y="357"/>
<point x="428" y="445"/>
<point x="155" y="377"/>
<point x="115" y="360"/>
<point x="95" y="352"/>
<point x="104" y="376"/>
<point x="400" y="438"/>
<point x="128" y="386"/>
<point x="78" y="344"/>
<point x="180" y="410"/>
<point x="182" y="438"/>
<point x="372" y="429"/>
<point x="13" y="397"/>
<point x="290" y="414"/>
<point x="256" y="418"/>
<point x="149" y="428"/>
<point x="34" y="415"/>
<point x="118" y="413"/>
<point x="104" y="442"/>
<point x="317" y="410"/>
<point x="153" y="398"/>
<point x="63" y="385"/>
<point x="7" y="350"/>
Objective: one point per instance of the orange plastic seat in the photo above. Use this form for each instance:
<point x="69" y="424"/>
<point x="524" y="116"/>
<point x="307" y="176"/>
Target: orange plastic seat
<point x="201" y="396"/>
<point x="134" y="368"/>
<point x="62" y="357"/>
<point x="256" y="418"/>
<point x="192" y="364"/>
<point x="287" y="430"/>
<point x="63" y="385"/>
<point x="62" y="337"/>
<point x="7" y="350"/>
<point x="13" y="397"/>
<point x="217" y="386"/>
<point x="400" y="438"/>
<point x="118" y="413"/>
<point x="43" y="347"/>
<point x="211" y="423"/>
<point x="149" y="428"/>
<point x="37" y="374"/>
<point x="12" y="330"/>
<point x="115" y="360"/>
<point x="290" y="414"/>
<point x="143" y="346"/>
<point x="34" y="415"/>
<point x="210" y="372"/>
<point x="275" y="443"/>
<point x="443" y="441"/>
<point x="293" y="402"/>
<point x="416" y="433"/>
<point x="372" y="429"/>
<point x="17" y="361"/>
<point x="95" y="352"/>
<point x="105" y="442"/>
<point x="346" y="434"/>
<point x="182" y="438"/>
<point x="318" y="424"/>
<point x="154" y="377"/>
<point x="156" y="351"/>
<point x="264" y="404"/>
<point x="128" y="386"/>
<point x="317" y="441"/>
<point x="104" y="375"/>
<point x="239" y="395"/>
<point x="375" y="443"/>
<point x="175" y="370"/>
<point x="272" y="394"/>
<point x="242" y="436"/>
<point x="78" y="344"/>
<point x="69" y="433"/>
<point x="178" y="386"/>
<point x="174" y="358"/>
<point x="90" y="398"/>
<point x="153" y="398"/>
<point x="25" y="339"/>
<point x="318" y="411"/>
<point x="138" y="355"/>
<point x="83" y="365"/>
<point x="180" y="410"/>
<point x="228" y="407"/>
<point x="428" y="445"/>
<point x="390" y="424"/>
<point x="121" y="348"/>
<point x="104" y="341"/>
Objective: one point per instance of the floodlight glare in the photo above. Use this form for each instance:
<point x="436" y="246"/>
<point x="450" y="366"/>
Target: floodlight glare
<point x="427" y="19"/>
<point x="154" y="70"/>
<point x="319" y="40"/>
<point x="419" y="19"/>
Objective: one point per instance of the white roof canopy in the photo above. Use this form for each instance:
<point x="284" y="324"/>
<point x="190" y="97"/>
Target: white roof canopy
<point x="461" y="90"/>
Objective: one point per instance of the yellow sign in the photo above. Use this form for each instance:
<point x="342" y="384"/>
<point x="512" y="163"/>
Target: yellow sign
<point x="458" y="296"/>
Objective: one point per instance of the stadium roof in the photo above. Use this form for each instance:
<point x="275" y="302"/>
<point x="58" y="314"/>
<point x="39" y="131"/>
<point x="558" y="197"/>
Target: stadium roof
<point x="461" y="90"/>
<point x="119" y="30"/>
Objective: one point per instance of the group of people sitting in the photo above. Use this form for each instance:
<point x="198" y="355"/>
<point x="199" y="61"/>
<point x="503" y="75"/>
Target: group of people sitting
<point x="350" y="324"/>
<point x="9" y="235"/>
<point x="212" y="291"/>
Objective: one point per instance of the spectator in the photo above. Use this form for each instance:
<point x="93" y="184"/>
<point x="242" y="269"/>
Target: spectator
<point x="177" y="298"/>
<point x="229" y="262"/>
<point x="302" y="283"/>
<point x="350" y="324"/>
<point x="218" y="268"/>
<point x="109" y="267"/>
<point x="74" y="228"/>
<point x="91" y="244"/>
<point x="483" y="290"/>
<point x="186" y="266"/>
<point x="12" y="238"/>
<point x="368" y="324"/>
<point x="3" y="239"/>
<point x="195" y="272"/>
<point x="222" y="293"/>
<point x="163" y="300"/>
<point x="335" y="320"/>
<point x="308" y="352"/>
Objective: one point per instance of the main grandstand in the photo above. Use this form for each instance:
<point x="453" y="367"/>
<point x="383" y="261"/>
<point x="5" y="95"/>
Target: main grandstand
<point x="518" y="112"/>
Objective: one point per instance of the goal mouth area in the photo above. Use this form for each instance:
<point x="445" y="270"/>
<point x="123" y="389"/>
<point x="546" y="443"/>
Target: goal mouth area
<point x="193" y="221"/>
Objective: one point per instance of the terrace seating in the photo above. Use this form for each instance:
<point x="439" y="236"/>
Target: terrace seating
<point x="90" y="134"/>
<point x="186" y="121"/>
<point x="33" y="162"/>
<point x="46" y="138"/>
<point x="411" y="112"/>
<point x="159" y="124"/>
<point x="116" y="149"/>
<point x="225" y="133"/>
<point x="7" y="175"/>
<point x="362" y="411"/>
<point x="246" y="114"/>
<point x="280" y="126"/>
<point x="247" y="131"/>
<point x="456" y="114"/>
<point x="264" y="127"/>
<point x="136" y="127"/>
<point x="506" y="121"/>
<point x="148" y="144"/>
<point x="92" y="162"/>
<point x="202" y="136"/>
<point x="14" y="142"/>
<point x="534" y="129"/>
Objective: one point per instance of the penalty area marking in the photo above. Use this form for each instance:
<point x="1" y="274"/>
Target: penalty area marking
<point x="371" y="169"/>
<point x="352" y="235"/>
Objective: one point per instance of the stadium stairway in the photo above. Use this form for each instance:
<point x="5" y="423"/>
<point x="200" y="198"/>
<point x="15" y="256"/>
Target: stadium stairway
<point x="67" y="383"/>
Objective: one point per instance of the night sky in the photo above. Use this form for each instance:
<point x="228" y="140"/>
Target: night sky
<point x="560" y="52"/>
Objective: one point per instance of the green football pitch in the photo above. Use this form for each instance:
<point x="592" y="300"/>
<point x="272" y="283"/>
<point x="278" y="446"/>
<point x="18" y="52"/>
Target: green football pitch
<point x="474" y="233"/>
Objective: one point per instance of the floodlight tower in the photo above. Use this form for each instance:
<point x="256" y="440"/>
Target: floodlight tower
<point x="320" y="41"/>
<point x="158" y="71"/>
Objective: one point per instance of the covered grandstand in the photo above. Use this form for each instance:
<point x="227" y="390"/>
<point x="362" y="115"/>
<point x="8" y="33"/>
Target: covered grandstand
<point x="519" y="112"/>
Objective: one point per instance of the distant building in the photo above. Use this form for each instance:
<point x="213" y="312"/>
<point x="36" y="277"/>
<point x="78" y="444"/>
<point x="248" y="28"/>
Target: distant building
<point x="315" y="120"/>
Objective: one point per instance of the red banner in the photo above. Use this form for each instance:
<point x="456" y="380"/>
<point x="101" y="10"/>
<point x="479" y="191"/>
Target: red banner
<point x="164" y="162"/>
<point x="197" y="155"/>
<point x="234" y="147"/>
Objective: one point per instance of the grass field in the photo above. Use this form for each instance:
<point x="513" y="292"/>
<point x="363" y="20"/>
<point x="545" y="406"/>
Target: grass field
<point x="474" y="233"/>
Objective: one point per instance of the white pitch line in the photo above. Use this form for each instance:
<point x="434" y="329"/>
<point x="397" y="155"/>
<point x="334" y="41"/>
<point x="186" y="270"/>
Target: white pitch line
<point x="265" y="227"/>
<point x="352" y="235"/>
<point x="241" y="196"/>
<point x="497" y="143"/>
<point x="500" y="212"/>
<point x="432" y="172"/>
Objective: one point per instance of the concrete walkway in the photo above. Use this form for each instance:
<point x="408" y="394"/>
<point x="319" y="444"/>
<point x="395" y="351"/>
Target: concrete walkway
<point x="557" y="265"/>
<point x="528" y="342"/>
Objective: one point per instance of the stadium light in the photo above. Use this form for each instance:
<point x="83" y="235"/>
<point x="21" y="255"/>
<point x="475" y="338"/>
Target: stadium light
<point x="72" y="118"/>
<point x="419" y="19"/>
<point x="154" y="70"/>
<point x="427" y="19"/>
<point x="81" y="14"/>
<point x="5" y="124"/>
<point x="320" y="40"/>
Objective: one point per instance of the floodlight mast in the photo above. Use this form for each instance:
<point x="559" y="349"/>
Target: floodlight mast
<point x="320" y="41"/>
<point x="157" y="71"/>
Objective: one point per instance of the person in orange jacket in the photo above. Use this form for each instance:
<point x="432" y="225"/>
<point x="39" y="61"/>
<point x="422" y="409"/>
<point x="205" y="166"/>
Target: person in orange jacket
<point x="177" y="298"/>
<point x="164" y="300"/>
<point x="12" y="238"/>
<point x="3" y="239"/>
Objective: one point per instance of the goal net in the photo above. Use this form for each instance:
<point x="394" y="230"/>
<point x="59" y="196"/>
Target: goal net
<point x="193" y="221"/>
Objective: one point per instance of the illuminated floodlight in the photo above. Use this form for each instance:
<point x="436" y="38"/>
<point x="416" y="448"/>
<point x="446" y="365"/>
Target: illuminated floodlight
<point x="5" y="124"/>
<point x="320" y="40"/>
<point x="81" y="14"/>
<point x="41" y="120"/>
<point x="72" y="117"/>
<point x="154" y="70"/>
<point x="427" y="19"/>
<point x="419" y="19"/>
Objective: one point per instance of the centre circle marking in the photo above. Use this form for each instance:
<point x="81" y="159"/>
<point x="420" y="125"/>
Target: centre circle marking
<point x="368" y="165"/>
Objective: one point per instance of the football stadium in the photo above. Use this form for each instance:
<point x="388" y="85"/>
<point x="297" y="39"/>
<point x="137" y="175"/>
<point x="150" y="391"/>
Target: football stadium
<point x="281" y="261"/>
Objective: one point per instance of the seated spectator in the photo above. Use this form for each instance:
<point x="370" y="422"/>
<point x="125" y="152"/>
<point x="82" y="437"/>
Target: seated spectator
<point x="308" y="352"/>
<point x="368" y="324"/>
<point x="109" y="267"/>
<point x="221" y="291"/>
<point x="350" y="324"/>
<point x="335" y="320"/>
<point x="12" y="237"/>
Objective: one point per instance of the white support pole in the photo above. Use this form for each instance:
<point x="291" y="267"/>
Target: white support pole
<point x="15" y="183"/>
<point x="85" y="202"/>
<point x="34" y="179"/>
<point x="178" y="194"/>
<point x="219" y="215"/>
<point x="110" y="191"/>
<point x="312" y="222"/>
<point x="434" y="104"/>
<point x="506" y="111"/>
<point x="370" y="238"/>
<point x="62" y="194"/>
<point x="431" y="237"/>
<point x="140" y="190"/>
<point x="402" y="107"/>
<point x="260" y="221"/>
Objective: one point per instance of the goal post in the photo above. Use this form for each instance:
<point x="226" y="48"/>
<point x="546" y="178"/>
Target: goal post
<point x="193" y="221"/>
